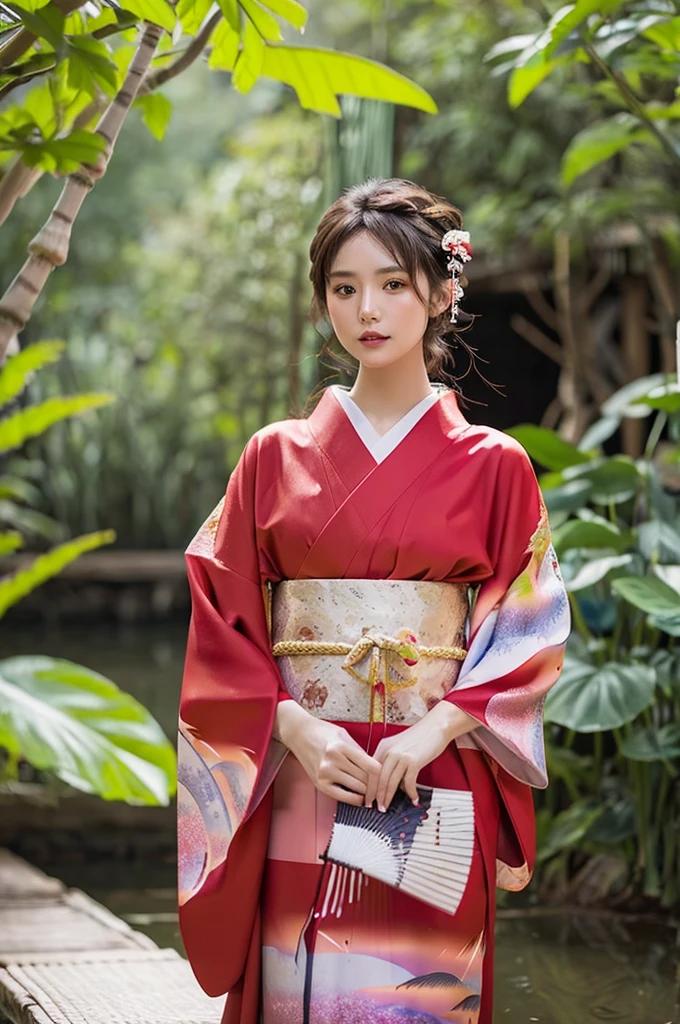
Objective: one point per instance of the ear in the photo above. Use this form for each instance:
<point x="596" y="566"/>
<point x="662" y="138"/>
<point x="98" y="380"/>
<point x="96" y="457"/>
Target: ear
<point x="440" y="300"/>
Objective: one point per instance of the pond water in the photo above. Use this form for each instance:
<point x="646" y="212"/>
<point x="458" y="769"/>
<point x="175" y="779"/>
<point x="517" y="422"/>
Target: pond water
<point x="551" y="968"/>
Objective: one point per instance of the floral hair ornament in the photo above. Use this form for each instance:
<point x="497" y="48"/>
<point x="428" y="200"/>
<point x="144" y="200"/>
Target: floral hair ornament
<point x="457" y="244"/>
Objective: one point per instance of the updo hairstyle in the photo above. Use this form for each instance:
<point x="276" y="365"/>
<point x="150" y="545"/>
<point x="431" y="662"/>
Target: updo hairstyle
<point x="409" y="222"/>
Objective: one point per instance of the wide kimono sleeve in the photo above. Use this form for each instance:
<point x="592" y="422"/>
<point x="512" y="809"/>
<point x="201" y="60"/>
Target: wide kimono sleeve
<point x="518" y="628"/>
<point x="227" y="706"/>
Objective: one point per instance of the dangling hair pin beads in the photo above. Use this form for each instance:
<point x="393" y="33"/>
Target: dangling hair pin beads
<point x="457" y="244"/>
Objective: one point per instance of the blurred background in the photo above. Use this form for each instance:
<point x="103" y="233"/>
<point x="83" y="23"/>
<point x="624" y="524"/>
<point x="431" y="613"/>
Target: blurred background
<point x="178" y="325"/>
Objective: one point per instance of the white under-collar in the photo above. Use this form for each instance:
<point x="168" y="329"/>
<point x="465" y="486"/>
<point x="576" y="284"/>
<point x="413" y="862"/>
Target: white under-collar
<point x="381" y="445"/>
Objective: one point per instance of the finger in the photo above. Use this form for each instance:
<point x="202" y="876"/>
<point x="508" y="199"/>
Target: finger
<point x="340" y="778"/>
<point x="343" y="796"/>
<point x="409" y="784"/>
<point x="371" y="789"/>
<point x="389" y="768"/>
<point x="393" y="783"/>
<point x="363" y="760"/>
<point x="344" y="764"/>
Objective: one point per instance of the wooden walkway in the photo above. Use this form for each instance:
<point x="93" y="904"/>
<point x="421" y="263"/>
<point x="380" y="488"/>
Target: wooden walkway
<point x="65" y="959"/>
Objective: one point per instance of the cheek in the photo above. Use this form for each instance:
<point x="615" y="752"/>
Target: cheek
<point x="412" y="309"/>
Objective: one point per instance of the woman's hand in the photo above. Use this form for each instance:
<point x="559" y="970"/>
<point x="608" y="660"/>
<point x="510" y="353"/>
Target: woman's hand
<point x="334" y="762"/>
<point x="402" y="756"/>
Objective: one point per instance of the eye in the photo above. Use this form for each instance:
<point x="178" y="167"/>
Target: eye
<point x="395" y="280"/>
<point x="339" y="291"/>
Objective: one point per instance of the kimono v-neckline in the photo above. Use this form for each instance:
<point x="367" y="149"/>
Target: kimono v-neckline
<point x="382" y="445"/>
<point x="368" y="489"/>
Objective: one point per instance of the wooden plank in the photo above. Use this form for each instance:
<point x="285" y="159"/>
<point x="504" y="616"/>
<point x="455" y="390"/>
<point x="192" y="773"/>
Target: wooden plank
<point x="60" y="925"/>
<point x="19" y="880"/>
<point x="17" y="1004"/>
<point x="89" y="956"/>
<point x="140" y="991"/>
<point x="82" y="903"/>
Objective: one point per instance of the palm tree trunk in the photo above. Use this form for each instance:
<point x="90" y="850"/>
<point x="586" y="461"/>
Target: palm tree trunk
<point x="50" y="247"/>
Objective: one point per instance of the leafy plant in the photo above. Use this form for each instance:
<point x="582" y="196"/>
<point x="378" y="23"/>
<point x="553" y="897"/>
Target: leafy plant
<point x="624" y="43"/>
<point x="69" y="122"/>
<point x="60" y="717"/>
<point x="613" y="714"/>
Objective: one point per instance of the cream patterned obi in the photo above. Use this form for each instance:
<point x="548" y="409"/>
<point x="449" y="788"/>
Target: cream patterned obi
<point x="368" y="650"/>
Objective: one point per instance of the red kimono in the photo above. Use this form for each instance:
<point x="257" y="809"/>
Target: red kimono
<point x="451" y="502"/>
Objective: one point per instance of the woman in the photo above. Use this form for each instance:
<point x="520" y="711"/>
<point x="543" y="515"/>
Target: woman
<point x="377" y="617"/>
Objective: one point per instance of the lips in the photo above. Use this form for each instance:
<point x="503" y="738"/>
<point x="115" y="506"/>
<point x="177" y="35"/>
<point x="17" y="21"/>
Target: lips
<point x="373" y="336"/>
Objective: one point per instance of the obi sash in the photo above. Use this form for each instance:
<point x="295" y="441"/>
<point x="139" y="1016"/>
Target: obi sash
<point x="369" y="650"/>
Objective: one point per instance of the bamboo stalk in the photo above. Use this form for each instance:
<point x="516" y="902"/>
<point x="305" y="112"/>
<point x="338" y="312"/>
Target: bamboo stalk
<point x="15" y="184"/>
<point x="20" y="179"/>
<point x="185" y="60"/>
<point x="49" y="248"/>
<point x="9" y="193"/>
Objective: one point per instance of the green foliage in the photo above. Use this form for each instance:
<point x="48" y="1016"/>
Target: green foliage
<point x="85" y="58"/>
<point x="18" y="585"/>
<point x="18" y="427"/>
<point x="617" y="700"/>
<point x="618" y="40"/>
<point x="61" y="717"/>
<point x="547" y="447"/>
<point x="156" y="112"/>
<point x="200" y="353"/>
<point x="76" y="724"/>
<point x="319" y="76"/>
<point x="599" y="142"/>
<point x="15" y="373"/>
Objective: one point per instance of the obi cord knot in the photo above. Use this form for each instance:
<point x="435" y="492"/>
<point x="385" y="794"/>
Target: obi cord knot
<point x="380" y="649"/>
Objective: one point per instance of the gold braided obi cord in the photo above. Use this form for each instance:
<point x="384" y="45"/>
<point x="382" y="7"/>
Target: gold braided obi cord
<point x="368" y="650"/>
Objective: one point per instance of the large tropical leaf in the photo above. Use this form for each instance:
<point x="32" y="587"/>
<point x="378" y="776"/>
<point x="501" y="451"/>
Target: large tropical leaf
<point x="653" y="744"/>
<point x="566" y="497"/>
<point x="581" y="533"/>
<point x="624" y="401"/>
<point x="614" y="480"/>
<point x="598" y="142"/>
<point x="594" y="571"/>
<point x="599" y="432"/>
<point x="68" y="720"/>
<point x="318" y="76"/>
<point x="649" y="594"/>
<point x="16" y="373"/>
<point x="159" y="12"/>
<point x="36" y="419"/>
<point x="547" y="448"/>
<point x="659" y="541"/>
<point x="293" y="12"/>
<point x="568" y="827"/>
<point x="588" y="698"/>
<point x="666" y="397"/>
<point x="44" y="567"/>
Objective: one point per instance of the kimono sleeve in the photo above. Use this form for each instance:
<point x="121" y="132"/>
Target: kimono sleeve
<point x="227" y="705"/>
<point x="518" y="629"/>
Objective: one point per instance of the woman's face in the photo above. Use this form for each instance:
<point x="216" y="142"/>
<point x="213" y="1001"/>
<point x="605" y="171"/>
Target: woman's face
<point x="368" y="291"/>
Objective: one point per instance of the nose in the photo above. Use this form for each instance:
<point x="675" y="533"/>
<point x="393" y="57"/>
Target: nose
<point x="368" y="308"/>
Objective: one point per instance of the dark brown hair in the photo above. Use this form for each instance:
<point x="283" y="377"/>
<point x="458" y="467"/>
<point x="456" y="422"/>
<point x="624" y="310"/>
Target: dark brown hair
<point x="409" y="222"/>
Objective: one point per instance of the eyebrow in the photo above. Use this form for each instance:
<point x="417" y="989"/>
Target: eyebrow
<point x="383" y="270"/>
